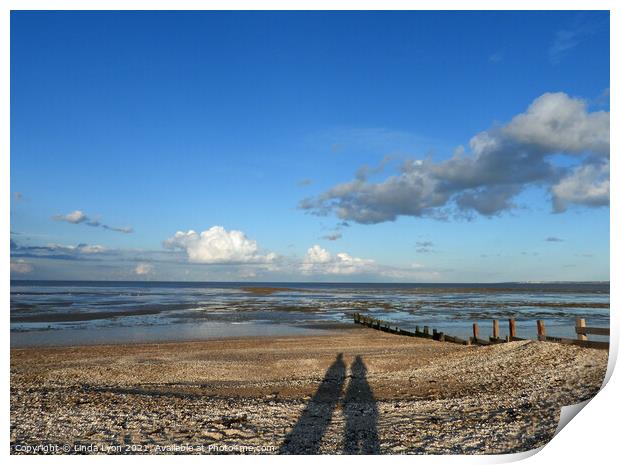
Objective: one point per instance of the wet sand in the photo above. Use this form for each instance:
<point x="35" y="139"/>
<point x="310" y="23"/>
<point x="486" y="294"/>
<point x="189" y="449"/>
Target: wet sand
<point x="353" y="391"/>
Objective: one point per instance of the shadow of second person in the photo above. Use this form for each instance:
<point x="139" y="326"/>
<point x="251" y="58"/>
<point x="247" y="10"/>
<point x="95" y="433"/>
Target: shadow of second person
<point x="306" y="435"/>
<point x="361" y="413"/>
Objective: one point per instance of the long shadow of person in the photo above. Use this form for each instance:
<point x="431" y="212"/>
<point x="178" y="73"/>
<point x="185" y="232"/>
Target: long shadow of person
<point x="305" y="437"/>
<point x="361" y="413"/>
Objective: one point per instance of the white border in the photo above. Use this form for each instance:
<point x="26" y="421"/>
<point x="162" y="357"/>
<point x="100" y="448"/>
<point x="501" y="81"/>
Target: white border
<point x="590" y="437"/>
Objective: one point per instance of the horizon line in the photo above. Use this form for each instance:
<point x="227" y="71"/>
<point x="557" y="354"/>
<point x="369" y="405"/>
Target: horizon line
<point x="309" y="282"/>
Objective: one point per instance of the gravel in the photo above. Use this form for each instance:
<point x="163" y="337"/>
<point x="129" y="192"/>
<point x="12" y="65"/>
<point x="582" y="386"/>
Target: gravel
<point x="385" y="394"/>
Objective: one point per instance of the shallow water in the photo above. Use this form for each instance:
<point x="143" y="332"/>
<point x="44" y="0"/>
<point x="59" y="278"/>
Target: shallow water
<point x="53" y="313"/>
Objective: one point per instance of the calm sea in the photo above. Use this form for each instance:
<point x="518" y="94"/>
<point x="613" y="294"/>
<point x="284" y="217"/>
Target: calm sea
<point x="86" y="312"/>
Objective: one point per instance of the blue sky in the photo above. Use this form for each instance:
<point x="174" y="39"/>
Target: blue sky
<point x="324" y="146"/>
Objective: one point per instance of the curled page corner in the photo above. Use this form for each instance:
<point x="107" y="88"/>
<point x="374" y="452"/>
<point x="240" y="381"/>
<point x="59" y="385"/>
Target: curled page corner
<point x="568" y="412"/>
<point x="518" y="456"/>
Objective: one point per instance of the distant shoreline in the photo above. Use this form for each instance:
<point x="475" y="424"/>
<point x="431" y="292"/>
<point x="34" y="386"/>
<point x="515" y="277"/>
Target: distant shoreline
<point x="361" y="283"/>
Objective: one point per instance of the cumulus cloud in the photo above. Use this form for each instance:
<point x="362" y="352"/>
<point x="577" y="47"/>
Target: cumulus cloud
<point x="555" y="122"/>
<point x="586" y="185"/>
<point x="320" y="261"/>
<point x="143" y="269"/>
<point x="74" y="217"/>
<point x="78" y="217"/>
<point x="500" y="164"/>
<point x="218" y="246"/>
<point x="21" y="267"/>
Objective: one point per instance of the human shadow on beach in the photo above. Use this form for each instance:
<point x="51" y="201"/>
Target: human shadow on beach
<point x="361" y="413"/>
<point x="306" y="435"/>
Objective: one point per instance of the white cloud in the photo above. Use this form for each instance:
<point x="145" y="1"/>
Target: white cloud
<point x="501" y="163"/>
<point x="218" y="246"/>
<point x="554" y="122"/>
<point x="74" y="217"/>
<point x="317" y="254"/>
<point x="80" y="248"/>
<point x="21" y="267"/>
<point x="78" y="217"/>
<point x="143" y="269"/>
<point x="320" y="261"/>
<point x="586" y="185"/>
<point x="58" y="251"/>
<point x="88" y="249"/>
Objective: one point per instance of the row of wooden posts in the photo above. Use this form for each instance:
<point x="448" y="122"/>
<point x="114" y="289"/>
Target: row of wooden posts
<point x="580" y="328"/>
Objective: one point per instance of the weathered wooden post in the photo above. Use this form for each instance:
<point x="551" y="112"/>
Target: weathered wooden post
<point x="426" y="331"/>
<point x="540" y="326"/>
<point x="581" y="324"/>
<point x="512" y="329"/>
<point x="476" y="332"/>
<point x="496" y="329"/>
<point x="441" y="337"/>
<point x="435" y="336"/>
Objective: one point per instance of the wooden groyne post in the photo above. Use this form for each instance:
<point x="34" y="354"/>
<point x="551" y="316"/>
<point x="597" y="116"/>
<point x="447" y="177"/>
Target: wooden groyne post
<point x="476" y="331"/>
<point x="512" y="329"/>
<point x="580" y="329"/>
